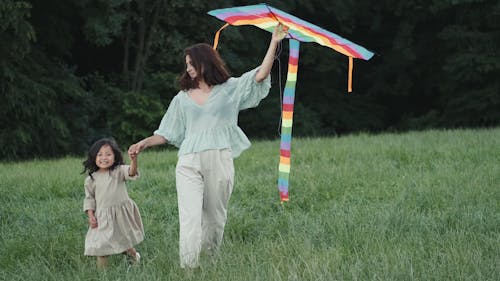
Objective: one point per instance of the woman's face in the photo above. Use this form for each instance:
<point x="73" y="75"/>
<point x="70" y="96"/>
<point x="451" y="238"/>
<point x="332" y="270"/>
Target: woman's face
<point x="190" y="68"/>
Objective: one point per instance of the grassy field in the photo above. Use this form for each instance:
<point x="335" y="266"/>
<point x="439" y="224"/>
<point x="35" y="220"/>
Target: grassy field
<point x="412" y="206"/>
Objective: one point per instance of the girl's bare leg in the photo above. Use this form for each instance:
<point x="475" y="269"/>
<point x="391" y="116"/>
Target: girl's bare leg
<point x="102" y="262"/>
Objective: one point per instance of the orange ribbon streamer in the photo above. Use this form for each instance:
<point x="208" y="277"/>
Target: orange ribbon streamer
<point x="216" y="39"/>
<point x="349" y="79"/>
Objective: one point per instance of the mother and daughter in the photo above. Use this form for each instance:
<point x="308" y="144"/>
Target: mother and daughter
<point x="201" y="121"/>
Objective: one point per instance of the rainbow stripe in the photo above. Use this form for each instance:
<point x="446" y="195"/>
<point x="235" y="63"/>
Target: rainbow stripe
<point x="287" y="120"/>
<point x="265" y="17"/>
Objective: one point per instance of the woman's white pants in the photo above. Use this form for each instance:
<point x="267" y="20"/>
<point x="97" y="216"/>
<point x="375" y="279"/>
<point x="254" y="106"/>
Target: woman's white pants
<point x="204" y="182"/>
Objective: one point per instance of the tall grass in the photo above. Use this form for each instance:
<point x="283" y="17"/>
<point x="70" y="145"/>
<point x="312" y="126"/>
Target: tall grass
<point x="412" y="206"/>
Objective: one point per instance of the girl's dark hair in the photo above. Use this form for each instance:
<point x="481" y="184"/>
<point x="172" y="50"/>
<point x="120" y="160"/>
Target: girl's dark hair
<point x="207" y="63"/>
<point x="90" y="166"/>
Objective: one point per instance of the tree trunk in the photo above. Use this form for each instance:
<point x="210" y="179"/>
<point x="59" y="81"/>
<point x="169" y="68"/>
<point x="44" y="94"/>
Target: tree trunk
<point x="140" y="43"/>
<point x="147" y="50"/>
<point x="126" y="47"/>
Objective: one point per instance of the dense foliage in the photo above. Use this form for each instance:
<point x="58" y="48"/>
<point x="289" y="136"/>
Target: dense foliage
<point x="75" y="70"/>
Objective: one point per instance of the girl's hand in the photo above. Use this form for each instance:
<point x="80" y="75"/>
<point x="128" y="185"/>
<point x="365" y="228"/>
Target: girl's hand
<point x="280" y="32"/>
<point x="132" y="170"/>
<point x="132" y="156"/>
<point x="135" y="149"/>
<point x="92" y="222"/>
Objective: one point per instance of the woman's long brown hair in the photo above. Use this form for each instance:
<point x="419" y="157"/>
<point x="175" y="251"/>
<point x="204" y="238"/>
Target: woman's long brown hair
<point x="208" y="65"/>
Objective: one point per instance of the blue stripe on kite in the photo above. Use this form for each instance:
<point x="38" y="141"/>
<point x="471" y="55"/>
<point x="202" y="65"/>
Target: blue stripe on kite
<point x="282" y="182"/>
<point x="289" y="92"/>
<point x="286" y="137"/>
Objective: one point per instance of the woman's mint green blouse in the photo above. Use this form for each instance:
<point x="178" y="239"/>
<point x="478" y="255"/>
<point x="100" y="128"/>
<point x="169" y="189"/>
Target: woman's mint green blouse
<point x="214" y="125"/>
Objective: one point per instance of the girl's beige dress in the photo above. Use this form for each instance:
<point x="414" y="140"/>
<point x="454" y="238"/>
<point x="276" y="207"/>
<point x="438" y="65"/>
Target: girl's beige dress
<point x="119" y="223"/>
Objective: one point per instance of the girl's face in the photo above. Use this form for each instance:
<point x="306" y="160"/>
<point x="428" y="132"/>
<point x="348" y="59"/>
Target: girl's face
<point x="105" y="158"/>
<point x="190" y="68"/>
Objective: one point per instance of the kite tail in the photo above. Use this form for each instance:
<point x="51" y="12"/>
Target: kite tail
<point x="287" y="120"/>
<point x="349" y="75"/>
<point x="216" y="39"/>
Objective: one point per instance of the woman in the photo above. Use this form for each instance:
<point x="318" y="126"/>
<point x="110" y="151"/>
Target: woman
<point x="202" y="121"/>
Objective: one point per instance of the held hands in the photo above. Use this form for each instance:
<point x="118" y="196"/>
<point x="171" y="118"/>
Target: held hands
<point x="92" y="221"/>
<point x="133" y="153"/>
<point x="132" y="156"/>
<point x="135" y="149"/>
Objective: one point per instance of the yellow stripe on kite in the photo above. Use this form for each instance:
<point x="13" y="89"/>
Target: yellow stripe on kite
<point x="291" y="77"/>
<point x="284" y="168"/>
<point x="287" y="123"/>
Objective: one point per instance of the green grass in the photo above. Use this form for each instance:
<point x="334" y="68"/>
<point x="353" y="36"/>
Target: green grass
<point x="412" y="206"/>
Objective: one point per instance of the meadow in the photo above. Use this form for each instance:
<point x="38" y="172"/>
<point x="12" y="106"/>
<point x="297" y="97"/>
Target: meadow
<point x="408" y="206"/>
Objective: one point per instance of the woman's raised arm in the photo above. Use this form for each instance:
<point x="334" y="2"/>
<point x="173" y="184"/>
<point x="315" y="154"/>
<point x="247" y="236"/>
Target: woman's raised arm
<point x="279" y="33"/>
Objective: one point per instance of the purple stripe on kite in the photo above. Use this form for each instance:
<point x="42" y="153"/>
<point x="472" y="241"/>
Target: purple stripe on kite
<point x="285" y="145"/>
<point x="294" y="52"/>
<point x="288" y="99"/>
<point x="283" y="188"/>
<point x="229" y="14"/>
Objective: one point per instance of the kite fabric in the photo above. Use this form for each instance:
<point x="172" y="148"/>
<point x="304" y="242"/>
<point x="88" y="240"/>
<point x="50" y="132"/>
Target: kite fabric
<point x="267" y="17"/>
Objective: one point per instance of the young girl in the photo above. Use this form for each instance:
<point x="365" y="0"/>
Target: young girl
<point x="115" y="224"/>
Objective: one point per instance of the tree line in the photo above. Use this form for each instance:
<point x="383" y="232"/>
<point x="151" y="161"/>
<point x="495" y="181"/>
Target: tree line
<point x="72" y="71"/>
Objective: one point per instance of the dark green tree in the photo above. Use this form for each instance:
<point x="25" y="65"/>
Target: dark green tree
<point x="76" y="70"/>
<point x="40" y="95"/>
<point x="469" y="88"/>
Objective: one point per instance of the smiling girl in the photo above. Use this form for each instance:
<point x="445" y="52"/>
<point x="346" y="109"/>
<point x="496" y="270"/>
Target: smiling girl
<point x="115" y="224"/>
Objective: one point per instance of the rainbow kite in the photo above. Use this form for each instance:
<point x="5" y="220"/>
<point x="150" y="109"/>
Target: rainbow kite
<point x="267" y="17"/>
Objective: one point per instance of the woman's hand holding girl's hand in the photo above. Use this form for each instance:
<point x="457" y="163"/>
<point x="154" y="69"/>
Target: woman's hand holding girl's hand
<point x="132" y="156"/>
<point x="135" y="149"/>
<point x="92" y="222"/>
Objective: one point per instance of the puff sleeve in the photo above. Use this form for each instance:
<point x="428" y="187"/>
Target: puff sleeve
<point x="89" y="202"/>
<point x="125" y="174"/>
<point x="250" y="91"/>
<point x="172" y="126"/>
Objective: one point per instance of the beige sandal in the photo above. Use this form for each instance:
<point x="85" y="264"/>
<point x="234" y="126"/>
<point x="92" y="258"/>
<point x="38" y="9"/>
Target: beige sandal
<point x="137" y="258"/>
